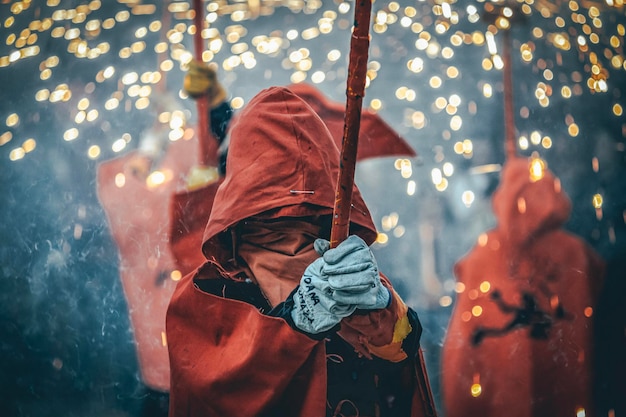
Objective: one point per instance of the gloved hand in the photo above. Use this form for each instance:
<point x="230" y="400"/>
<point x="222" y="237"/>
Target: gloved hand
<point x="352" y="274"/>
<point x="334" y="286"/>
<point x="314" y="310"/>
<point x="201" y="79"/>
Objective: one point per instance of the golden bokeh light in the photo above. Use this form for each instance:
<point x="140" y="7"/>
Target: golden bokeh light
<point x="476" y="390"/>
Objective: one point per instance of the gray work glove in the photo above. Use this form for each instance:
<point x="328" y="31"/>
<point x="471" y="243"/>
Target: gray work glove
<point x="314" y="310"/>
<point x="334" y="286"/>
<point x="352" y="274"/>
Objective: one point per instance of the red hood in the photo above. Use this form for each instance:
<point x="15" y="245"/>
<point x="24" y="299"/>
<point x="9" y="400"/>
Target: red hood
<point x="525" y="207"/>
<point x="282" y="159"/>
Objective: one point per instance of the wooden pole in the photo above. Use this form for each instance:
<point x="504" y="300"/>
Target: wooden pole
<point x="357" y="71"/>
<point x="509" y="112"/>
<point x="355" y="91"/>
<point x="208" y="146"/>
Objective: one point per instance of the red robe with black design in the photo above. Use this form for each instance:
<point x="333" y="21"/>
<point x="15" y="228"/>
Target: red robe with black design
<point x="227" y="357"/>
<point x="519" y="342"/>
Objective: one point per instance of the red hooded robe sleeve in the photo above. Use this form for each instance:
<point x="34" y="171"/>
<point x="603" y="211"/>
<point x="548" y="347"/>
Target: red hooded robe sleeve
<point x="219" y="345"/>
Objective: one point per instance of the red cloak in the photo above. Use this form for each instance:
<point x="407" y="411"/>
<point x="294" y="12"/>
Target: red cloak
<point x="159" y="229"/>
<point x="226" y="357"/>
<point x="520" y="337"/>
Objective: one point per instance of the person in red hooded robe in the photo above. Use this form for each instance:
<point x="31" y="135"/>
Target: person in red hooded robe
<point x="520" y="338"/>
<point x="275" y="323"/>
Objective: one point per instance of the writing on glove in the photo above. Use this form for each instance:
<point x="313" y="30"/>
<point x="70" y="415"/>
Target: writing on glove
<point x="315" y="311"/>
<point x="336" y="284"/>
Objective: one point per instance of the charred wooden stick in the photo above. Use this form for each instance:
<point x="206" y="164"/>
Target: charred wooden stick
<point x="355" y="90"/>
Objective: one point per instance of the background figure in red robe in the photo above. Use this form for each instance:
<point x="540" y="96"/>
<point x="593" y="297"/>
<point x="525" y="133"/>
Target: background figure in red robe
<point x="520" y="337"/>
<point x="267" y="326"/>
<point x="138" y="213"/>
